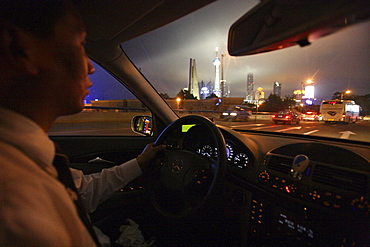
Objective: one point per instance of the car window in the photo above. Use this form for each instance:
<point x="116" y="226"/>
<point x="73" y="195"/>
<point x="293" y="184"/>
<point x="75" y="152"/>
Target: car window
<point x="109" y="109"/>
<point x="189" y="64"/>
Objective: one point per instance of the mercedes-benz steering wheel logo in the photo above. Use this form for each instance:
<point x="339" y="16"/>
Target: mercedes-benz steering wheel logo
<point x="177" y="166"/>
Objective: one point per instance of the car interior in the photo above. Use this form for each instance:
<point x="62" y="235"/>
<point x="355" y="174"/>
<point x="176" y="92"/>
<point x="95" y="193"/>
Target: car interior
<point x="215" y="185"/>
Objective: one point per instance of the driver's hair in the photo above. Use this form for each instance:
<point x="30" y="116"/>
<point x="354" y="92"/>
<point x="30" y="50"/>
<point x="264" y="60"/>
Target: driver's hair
<point x="36" y="16"/>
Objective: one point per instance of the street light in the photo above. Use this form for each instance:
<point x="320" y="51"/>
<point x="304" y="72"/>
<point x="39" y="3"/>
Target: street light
<point x="178" y="100"/>
<point x="343" y="93"/>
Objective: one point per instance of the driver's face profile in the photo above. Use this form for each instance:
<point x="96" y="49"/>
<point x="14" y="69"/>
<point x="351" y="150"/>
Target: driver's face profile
<point x="65" y="64"/>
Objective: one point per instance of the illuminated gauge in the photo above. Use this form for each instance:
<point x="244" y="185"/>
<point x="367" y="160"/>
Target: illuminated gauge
<point x="229" y="152"/>
<point x="206" y="151"/>
<point x="241" y="160"/>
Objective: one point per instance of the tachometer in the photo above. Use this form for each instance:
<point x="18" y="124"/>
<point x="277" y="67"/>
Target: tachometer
<point x="241" y="160"/>
<point x="229" y="152"/>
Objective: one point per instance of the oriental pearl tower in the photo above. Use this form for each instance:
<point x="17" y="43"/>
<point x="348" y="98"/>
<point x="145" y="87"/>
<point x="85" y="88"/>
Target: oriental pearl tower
<point x="217" y="63"/>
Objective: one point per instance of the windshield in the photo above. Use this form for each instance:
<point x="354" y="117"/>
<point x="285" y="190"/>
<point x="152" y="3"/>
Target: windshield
<point x="188" y="63"/>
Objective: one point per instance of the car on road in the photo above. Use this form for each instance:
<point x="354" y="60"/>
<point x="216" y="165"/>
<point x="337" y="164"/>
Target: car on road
<point x="236" y="113"/>
<point x="216" y="185"/>
<point x="366" y="118"/>
<point x="288" y="117"/>
<point x="311" y="116"/>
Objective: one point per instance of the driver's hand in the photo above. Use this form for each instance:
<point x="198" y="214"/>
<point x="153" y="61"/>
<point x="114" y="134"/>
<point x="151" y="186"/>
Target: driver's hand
<point x="148" y="154"/>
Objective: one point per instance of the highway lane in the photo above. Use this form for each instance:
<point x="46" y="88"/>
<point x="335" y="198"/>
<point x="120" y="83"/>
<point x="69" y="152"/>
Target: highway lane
<point x="358" y="131"/>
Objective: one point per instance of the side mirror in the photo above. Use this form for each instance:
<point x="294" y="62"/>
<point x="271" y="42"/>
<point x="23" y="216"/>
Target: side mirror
<point x="142" y="125"/>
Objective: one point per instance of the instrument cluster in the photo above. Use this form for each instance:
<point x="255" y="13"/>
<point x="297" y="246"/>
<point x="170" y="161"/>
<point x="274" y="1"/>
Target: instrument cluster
<point x="235" y="156"/>
<point x="198" y="139"/>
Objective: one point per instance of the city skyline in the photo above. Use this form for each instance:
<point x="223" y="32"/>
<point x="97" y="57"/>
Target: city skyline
<point x="318" y="61"/>
<point x="154" y="52"/>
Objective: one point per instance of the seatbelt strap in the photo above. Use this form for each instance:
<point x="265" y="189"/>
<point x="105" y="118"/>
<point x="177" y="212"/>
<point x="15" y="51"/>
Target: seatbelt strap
<point x="61" y="163"/>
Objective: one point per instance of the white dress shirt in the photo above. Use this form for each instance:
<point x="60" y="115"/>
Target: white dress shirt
<point x="35" y="208"/>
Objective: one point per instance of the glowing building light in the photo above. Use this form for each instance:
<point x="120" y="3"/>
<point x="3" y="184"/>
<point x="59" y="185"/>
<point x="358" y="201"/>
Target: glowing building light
<point x="309" y="102"/>
<point x="309" y="92"/>
<point x="217" y="63"/>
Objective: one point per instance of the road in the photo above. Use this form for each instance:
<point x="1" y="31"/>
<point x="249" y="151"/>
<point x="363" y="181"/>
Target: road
<point x="358" y="131"/>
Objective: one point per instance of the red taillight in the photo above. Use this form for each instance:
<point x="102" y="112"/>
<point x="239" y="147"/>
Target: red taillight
<point x="287" y="117"/>
<point x="273" y="116"/>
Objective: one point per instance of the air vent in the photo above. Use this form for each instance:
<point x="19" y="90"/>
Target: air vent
<point x="340" y="178"/>
<point x="280" y="164"/>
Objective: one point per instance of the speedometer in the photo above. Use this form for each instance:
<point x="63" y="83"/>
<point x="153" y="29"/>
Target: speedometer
<point x="229" y="152"/>
<point x="206" y="151"/>
<point x="241" y="160"/>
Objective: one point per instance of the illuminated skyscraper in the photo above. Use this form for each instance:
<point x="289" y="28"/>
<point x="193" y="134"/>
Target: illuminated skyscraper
<point x="250" y="85"/>
<point x="193" y="79"/>
<point x="217" y="63"/>
<point x="277" y="89"/>
<point x="205" y="89"/>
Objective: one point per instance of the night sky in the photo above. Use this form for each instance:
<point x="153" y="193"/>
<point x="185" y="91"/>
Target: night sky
<point x="336" y="63"/>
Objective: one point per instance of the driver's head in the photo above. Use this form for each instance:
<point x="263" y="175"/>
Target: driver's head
<point x="43" y="65"/>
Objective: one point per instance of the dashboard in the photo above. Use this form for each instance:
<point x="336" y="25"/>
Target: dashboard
<point x="324" y="203"/>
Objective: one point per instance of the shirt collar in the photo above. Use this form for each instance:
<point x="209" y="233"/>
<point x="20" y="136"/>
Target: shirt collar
<point x="26" y="135"/>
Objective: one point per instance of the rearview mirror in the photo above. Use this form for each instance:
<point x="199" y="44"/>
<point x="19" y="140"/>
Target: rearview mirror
<point x="277" y="24"/>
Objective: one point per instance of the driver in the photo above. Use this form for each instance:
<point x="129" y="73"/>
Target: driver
<point x="43" y="75"/>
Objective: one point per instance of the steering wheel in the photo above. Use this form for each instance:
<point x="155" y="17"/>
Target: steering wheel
<point x="182" y="180"/>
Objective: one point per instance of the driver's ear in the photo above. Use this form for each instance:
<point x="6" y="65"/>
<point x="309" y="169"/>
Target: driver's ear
<point x="14" y="46"/>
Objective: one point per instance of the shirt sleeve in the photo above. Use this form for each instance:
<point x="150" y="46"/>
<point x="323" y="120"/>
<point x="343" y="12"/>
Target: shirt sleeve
<point x="97" y="187"/>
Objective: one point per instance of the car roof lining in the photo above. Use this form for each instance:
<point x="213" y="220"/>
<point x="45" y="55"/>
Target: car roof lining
<point x="120" y="21"/>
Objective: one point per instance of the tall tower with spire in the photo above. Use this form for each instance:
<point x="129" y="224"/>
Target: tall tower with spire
<point x="217" y="63"/>
<point x="250" y="86"/>
<point x="193" y="79"/>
